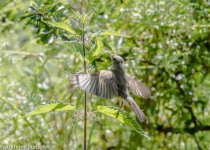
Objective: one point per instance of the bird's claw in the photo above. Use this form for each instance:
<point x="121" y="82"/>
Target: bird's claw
<point x="119" y="110"/>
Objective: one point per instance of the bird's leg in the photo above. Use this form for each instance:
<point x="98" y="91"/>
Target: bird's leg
<point x="119" y="109"/>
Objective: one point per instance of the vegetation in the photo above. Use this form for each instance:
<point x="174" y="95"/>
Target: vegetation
<point x="165" y="44"/>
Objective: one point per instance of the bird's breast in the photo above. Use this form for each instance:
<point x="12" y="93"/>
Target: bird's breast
<point x="120" y="79"/>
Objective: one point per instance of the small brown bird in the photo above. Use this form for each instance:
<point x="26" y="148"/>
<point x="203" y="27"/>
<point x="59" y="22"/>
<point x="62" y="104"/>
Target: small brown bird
<point x="114" y="82"/>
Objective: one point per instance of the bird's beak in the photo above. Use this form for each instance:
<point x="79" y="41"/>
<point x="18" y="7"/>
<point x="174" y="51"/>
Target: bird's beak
<point x="111" y="56"/>
<point x="108" y="53"/>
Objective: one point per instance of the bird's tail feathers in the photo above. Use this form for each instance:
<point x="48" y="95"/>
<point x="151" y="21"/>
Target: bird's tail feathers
<point x="139" y="113"/>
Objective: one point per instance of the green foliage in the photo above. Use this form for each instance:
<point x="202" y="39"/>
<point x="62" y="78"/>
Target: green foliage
<point x="110" y="33"/>
<point x="164" y="43"/>
<point x="49" y="108"/>
<point x="98" y="47"/>
<point x="76" y="48"/>
<point x="44" y="14"/>
<point x="122" y="117"/>
<point x="63" y="26"/>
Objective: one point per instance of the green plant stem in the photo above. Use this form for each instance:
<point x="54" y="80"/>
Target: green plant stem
<point x="90" y="135"/>
<point x="85" y="100"/>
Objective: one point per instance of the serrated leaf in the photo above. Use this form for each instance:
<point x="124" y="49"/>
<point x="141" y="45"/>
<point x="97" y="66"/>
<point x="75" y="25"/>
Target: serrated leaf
<point x="110" y="33"/>
<point x="76" y="48"/>
<point x="87" y="17"/>
<point x="98" y="47"/>
<point x="96" y="50"/>
<point x="123" y="117"/>
<point x="62" y="26"/>
<point x="49" y="108"/>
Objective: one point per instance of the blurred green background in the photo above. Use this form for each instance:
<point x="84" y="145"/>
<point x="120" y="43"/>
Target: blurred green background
<point x="168" y="49"/>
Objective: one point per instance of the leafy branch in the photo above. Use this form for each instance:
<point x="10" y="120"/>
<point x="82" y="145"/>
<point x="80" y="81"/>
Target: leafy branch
<point x="123" y="117"/>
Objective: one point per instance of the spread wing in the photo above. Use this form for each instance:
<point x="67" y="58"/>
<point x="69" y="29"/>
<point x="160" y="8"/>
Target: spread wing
<point x="138" y="88"/>
<point x="102" y="84"/>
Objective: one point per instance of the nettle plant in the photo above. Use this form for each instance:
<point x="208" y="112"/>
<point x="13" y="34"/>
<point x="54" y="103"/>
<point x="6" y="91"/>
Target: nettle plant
<point x="50" y="23"/>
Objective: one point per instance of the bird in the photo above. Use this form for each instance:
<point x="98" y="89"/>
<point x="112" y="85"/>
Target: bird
<point x="112" y="83"/>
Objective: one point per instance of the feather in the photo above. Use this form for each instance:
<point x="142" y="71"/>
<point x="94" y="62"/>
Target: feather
<point x="138" y="88"/>
<point x="101" y="84"/>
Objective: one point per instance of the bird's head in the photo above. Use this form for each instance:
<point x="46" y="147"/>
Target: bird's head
<point x="117" y="60"/>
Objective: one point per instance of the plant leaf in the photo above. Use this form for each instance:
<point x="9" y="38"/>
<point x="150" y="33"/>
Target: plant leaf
<point x="76" y="48"/>
<point x="98" y="47"/>
<point x="62" y="26"/>
<point x="123" y="117"/>
<point x="49" y="108"/>
<point x="96" y="50"/>
<point x="110" y="33"/>
<point x="87" y="17"/>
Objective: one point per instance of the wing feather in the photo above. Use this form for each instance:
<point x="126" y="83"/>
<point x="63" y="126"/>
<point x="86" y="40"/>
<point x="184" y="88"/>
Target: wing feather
<point x="101" y="84"/>
<point x="138" y="88"/>
<point x="108" y="91"/>
<point x="93" y="86"/>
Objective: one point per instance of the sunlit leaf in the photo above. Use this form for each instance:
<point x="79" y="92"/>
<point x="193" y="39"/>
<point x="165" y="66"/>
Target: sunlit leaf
<point x="123" y="117"/>
<point x="109" y="33"/>
<point x="96" y="50"/>
<point x="63" y="26"/>
<point x="87" y="17"/>
<point x="98" y="47"/>
<point x="49" y="108"/>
